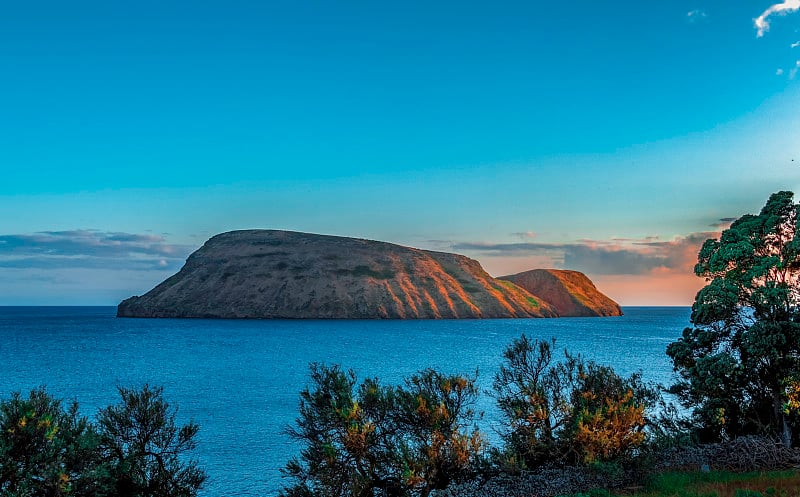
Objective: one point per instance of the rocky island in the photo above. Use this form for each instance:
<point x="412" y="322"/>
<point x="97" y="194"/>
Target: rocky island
<point x="284" y="274"/>
<point x="570" y="293"/>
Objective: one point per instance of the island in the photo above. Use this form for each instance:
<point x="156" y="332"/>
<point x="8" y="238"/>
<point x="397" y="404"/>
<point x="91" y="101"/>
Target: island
<point x="275" y="274"/>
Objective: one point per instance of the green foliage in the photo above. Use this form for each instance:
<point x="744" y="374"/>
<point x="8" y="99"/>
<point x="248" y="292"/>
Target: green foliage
<point x="568" y="411"/>
<point x="386" y="274"/>
<point x="748" y="493"/>
<point x="723" y="484"/>
<point x="533" y="394"/>
<point x="365" y="438"/>
<point x="740" y="362"/>
<point x="608" y="413"/>
<point x="46" y="450"/>
<point x="144" y="446"/>
<point x="711" y="484"/>
<point x="432" y="414"/>
<point x="361" y="270"/>
<point x="133" y="450"/>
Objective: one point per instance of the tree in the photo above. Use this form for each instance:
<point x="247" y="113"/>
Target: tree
<point x="738" y="364"/>
<point x="144" y="447"/>
<point x="608" y="413"/>
<point x="432" y="415"/>
<point x="344" y="449"/>
<point x="569" y="411"/>
<point x="366" y="439"/>
<point x="134" y="449"/>
<point x="46" y="450"/>
<point x="533" y="394"/>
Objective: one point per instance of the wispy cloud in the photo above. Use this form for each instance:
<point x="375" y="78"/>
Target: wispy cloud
<point x="651" y="238"/>
<point x="723" y="223"/>
<point x="793" y="71"/>
<point x="613" y="257"/>
<point x="89" y="249"/>
<point x="524" y="235"/>
<point x="795" y="44"/>
<point x="762" y="22"/>
<point x="696" y="15"/>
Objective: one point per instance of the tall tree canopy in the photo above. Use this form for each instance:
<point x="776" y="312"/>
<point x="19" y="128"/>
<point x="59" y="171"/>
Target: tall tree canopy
<point x="739" y="364"/>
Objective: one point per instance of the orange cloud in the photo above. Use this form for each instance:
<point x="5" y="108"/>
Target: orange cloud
<point x="645" y="271"/>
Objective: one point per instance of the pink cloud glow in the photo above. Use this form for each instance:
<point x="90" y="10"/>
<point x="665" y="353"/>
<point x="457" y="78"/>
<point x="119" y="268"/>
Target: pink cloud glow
<point x="646" y="271"/>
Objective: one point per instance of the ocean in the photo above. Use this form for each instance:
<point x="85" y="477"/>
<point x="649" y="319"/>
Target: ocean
<point x="239" y="380"/>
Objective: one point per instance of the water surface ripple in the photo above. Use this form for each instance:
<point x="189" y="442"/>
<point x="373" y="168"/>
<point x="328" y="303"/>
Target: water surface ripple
<point x="239" y="380"/>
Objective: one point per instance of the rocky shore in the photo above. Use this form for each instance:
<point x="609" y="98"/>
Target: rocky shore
<point x="744" y="454"/>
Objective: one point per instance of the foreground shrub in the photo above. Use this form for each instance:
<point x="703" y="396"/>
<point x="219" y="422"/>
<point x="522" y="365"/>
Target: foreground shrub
<point x="360" y="439"/>
<point x="569" y="411"/>
<point x="134" y="450"/>
<point x="608" y="414"/>
<point x="47" y="450"/>
<point x="533" y="395"/>
<point x="144" y="446"/>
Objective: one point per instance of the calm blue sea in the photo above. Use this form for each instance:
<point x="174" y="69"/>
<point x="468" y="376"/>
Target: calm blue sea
<point x="239" y="380"/>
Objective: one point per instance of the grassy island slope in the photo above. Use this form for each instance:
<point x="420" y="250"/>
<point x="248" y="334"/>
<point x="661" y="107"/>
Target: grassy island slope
<point x="570" y="293"/>
<point x="284" y="274"/>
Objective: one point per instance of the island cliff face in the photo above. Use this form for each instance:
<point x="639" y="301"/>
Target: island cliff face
<point x="284" y="274"/>
<point x="570" y="293"/>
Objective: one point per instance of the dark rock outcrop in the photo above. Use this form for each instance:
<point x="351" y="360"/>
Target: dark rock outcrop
<point x="283" y="274"/>
<point x="570" y="293"/>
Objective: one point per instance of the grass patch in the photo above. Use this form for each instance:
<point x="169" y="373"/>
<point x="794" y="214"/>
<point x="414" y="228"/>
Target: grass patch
<point x="269" y="254"/>
<point x="367" y="271"/>
<point x="714" y="484"/>
<point x="532" y="301"/>
<point x="509" y="286"/>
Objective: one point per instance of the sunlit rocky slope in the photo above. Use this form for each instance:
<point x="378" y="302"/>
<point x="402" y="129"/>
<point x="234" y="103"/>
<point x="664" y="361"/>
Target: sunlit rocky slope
<point x="570" y="293"/>
<point x="284" y="274"/>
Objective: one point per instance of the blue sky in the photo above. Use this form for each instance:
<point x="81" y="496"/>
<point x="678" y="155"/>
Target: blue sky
<point x="609" y="138"/>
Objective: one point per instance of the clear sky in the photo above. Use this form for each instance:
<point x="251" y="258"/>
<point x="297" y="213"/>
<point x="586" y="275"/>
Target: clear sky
<point x="611" y="138"/>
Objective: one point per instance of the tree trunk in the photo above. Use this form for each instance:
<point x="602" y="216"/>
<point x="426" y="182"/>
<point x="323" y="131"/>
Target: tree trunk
<point x="786" y="432"/>
<point x="783" y="423"/>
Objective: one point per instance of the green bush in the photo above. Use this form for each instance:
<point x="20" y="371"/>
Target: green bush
<point x="134" y="450"/>
<point x="47" y="450"/>
<point x="569" y="411"/>
<point x="359" y="439"/>
<point x="143" y="446"/>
